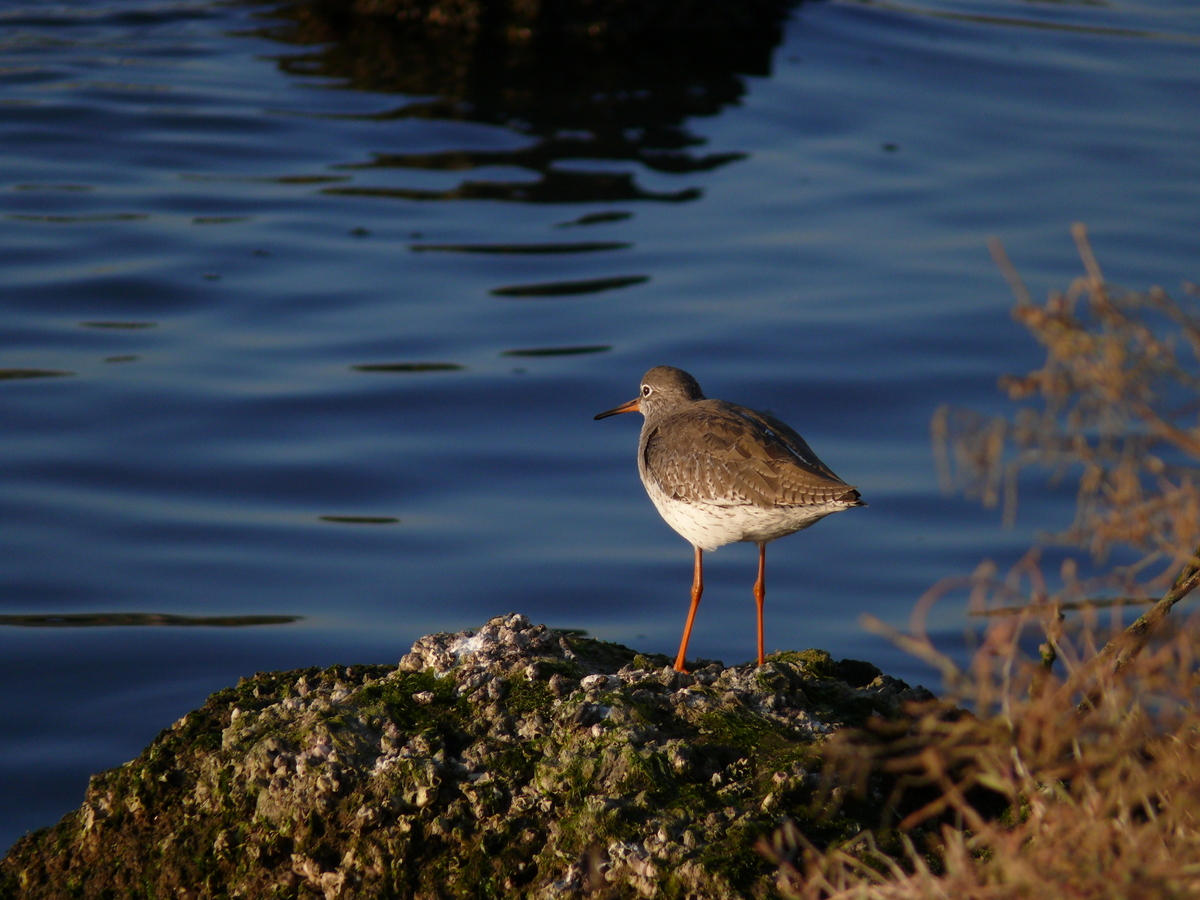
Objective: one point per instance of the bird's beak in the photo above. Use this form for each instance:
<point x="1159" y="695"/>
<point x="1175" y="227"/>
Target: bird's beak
<point x="633" y="405"/>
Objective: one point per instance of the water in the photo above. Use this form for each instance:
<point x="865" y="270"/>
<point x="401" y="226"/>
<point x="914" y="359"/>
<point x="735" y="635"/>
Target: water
<point x="296" y="283"/>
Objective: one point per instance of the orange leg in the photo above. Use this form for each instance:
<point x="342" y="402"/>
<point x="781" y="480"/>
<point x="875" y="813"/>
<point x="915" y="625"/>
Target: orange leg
<point x="697" y="590"/>
<point x="760" y="594"/>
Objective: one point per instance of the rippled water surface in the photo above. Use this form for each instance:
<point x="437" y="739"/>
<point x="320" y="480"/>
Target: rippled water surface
<point x="307" y="323"/>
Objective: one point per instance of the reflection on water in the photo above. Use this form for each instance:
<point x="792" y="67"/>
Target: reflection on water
<point x="31" y="373"/>
<point x="131" y="326"/>
<point x="82" y="219"/>
<point x="597" y="218"/>
<point x="219" y="220"/>
<point x="260" y="179"/>
<point x="595" y="82"/>
<point x="361" y="520"/>
<point x="522" y="249"/>
<point x="408" y="367"/>
<point x="554" y="186"/>
<point x="559" y="351"/>
<point x="65" y="188"/>
<point x="80" y="620"/>
<point x="567" y="288"/>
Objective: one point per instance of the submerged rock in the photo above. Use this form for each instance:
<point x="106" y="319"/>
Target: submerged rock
<point x="515" y="761"/>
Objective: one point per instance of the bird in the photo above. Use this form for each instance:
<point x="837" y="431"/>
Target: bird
<point x="720" y="473"/>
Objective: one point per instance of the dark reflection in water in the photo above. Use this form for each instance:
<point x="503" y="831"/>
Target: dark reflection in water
<point x="409" y="367"/>
<point x="131" y="326"/>
<point x="64" y="188"/>
<point x="31" y="373"/>
<point x="81" y="620"/>
<point x="567" y="288"/>
<point x="598" y="218"/>
<point x="260" y="179"/>
<point x="86" y="219"/>
<point x="554" y="186"/>
<point x="608" y="82"/>
<point x="559" y="351"/>
<point x="361" y="520"/>
<point x="522" y="249"/>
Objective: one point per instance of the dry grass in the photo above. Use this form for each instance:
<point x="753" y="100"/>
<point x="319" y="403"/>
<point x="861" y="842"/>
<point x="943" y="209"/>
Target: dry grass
<point x="1115" y="406"/>
<point x="1036" y="799"/>
<point x="1077" y="771"/>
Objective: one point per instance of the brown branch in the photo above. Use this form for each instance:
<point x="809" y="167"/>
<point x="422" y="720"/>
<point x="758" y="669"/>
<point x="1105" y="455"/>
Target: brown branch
<point x="1095" y="276"/>
<point x="1070" y="606"/>
<point x="1125" y="647"/>
<point x="1009" y="271"/>
<point x="1134" y="638"/>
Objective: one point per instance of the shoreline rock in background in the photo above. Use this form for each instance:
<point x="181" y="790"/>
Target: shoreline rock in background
<point x="516" y="761"/>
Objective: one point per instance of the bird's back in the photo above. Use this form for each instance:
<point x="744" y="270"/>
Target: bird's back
<point x="715" y="453"/>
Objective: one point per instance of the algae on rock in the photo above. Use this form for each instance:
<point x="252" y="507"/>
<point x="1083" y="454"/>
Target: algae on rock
<point x="516" y="761"/>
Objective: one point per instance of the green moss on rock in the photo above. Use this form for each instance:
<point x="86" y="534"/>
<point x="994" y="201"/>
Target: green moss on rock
<point x="511" y="762"/>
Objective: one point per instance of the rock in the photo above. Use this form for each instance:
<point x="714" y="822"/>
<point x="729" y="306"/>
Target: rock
<point x="515" y="761"/>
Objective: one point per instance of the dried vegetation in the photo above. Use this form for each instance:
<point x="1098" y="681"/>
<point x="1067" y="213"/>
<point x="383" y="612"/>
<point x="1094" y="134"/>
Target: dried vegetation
<point x="1077" y="773"/>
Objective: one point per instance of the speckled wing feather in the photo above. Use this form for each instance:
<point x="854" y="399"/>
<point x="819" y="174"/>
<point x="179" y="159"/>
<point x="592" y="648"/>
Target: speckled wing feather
<point x="726" y="455"/>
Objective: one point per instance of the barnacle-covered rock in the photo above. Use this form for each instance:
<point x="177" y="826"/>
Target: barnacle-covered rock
<point x="514" y="761"/>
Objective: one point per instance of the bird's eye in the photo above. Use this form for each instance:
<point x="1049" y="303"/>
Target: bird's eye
<point x="647" y="390"/>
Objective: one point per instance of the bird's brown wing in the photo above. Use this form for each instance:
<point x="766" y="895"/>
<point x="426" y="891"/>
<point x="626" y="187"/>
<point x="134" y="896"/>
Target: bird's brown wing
<point x="724" y="454"/>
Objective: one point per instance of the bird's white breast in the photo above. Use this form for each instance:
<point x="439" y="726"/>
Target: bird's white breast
<point x="709" y="526"/>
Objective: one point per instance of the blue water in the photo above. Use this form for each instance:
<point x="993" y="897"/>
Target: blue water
<point x="210" y="223"/>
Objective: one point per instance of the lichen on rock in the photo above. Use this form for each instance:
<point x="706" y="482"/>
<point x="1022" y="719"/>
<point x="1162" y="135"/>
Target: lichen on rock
<point x="514" y="761"/>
